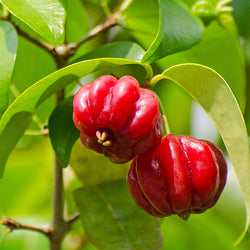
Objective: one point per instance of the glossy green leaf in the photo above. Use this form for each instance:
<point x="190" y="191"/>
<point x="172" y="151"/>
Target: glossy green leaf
<point x="178" y="30"/>
<point x="211" y="91"/>
<point x="46" y="17"/>
<point x="8" y="47"/>
<point x="92" y="168"/>
<point x="219" y="50"/>
<point x="111" y="219"/>
<point x="62" y="131"/>
<point x="17" y="117"/>
<point x="123" y="49"/>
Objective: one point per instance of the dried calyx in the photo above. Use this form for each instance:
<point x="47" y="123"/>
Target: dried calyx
<point x="105" y="137"/>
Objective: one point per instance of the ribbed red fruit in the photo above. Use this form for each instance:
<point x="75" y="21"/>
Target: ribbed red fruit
<point x="117" y="118"/>
<point x="183" y="176"/>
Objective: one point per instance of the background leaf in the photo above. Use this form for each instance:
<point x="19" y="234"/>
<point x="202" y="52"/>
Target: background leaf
<point x="143" y="24"/>
<point x="123" y="49"/>
<point x="8" y="45"/>
<point x="46" y="17"/>
<point x="178" y="30"/>
<point x="242" y="17"/>
<point x="62" y="131"/>
<point x="21" y="110"/>
<point x="213" y="94"/>
<point x="92" y="168"/>
<point x="112" y="220"/>
<point x="219" y="50"/>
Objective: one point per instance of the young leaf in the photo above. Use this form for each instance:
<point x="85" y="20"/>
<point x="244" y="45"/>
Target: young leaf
<point x="8" y="47"/>
<point x="211" y="91"/>
<point x="92" y="168"/>
<point x="18" y="116"/>
<point x="46" y="17"/>
<point x="62" y="131"/>
<point x="111" y="219"/>
<point x="178" y="30"/>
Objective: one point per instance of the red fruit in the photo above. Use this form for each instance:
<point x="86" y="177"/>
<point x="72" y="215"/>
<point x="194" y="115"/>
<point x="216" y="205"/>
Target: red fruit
<point x="117" y="118"/>
<point x="184" y="175"/>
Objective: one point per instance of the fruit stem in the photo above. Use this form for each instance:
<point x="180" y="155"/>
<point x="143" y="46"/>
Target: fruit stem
<point x="166" y="128"/>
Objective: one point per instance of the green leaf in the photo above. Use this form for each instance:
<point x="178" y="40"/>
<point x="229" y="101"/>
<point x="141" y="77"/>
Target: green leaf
<point x="62" y="131"/>
<point x="92" y="168"/>
<point x="219" y="50"/>
<point x="111" y="219"/>
<point x="143" y="24"/>
<point x="211" y="91"/>
<point x="123" y="49"/>
<point x="241" y="15"/>
<point x="8" y="46"/>
<point x="77" y="24"/>
<point x="17" y="117"/>
<point x="46" y="17"/>
<point x="178" y="30"/>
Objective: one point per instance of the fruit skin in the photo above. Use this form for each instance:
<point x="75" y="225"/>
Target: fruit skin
<point x="117" y="118"/>
<point x="183" y="176"/>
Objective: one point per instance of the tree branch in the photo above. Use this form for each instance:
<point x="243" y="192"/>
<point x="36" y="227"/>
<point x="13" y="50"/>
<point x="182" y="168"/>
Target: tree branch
<point x="41" y="44"/>
<point x="61" y="54"/>
<point x="59" y="226"/>
<point x="73" y="218"/>
<point x="108" y="23"/>
<point x="14" y="225"/>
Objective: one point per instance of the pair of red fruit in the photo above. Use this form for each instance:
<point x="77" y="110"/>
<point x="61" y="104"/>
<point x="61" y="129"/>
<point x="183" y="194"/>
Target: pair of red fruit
<point x="174" y="175"/>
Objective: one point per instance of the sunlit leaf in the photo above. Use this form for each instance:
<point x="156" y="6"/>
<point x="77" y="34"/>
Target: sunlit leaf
<point x="46" y="17"/>
<point x="8" y="47"/>
<point x="178" y="30"/>
<point x="211" y="91"/>
<point x="92" y="168"/>
<point x="62" y="131"/>
<point x="111" y="219"/>
<point x="17" y="117"/>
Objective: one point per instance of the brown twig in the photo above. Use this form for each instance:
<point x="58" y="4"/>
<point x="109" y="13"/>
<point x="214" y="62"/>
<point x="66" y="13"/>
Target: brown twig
<point x="61" y="54"/>
<point x="41" y="44"/>
<point x="108" y="23"/>
<point x="14" y="225"/>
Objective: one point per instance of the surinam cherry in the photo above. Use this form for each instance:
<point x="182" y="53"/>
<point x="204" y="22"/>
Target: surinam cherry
<point x="183" y="176"/>
<point x="117" y="118"/>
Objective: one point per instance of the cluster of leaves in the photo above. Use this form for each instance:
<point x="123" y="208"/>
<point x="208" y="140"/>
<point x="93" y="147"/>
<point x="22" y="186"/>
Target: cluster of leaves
<point x="165" y="43"/>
